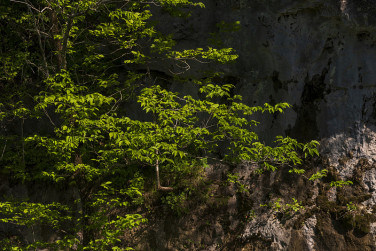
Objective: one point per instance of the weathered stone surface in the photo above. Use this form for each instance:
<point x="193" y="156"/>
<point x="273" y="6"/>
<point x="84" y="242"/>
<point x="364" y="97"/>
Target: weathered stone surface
<point x="320" y="57"/>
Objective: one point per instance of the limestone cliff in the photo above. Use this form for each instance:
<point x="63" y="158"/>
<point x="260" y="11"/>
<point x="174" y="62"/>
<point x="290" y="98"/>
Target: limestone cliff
<point x="319" y="56"/>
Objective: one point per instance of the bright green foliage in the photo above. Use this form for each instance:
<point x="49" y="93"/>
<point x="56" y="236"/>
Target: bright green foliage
<point x="234" y="178"/>
<point x="221" y="55"/>
<point x="351" y="207"/>
<point x="29" y="213"/>
<point x="67" y="75"/>
<point x="340" y="183"/>
<point x="319" y="175"/>
<point x="287" y="208"/>
<point x="295" y="206"/>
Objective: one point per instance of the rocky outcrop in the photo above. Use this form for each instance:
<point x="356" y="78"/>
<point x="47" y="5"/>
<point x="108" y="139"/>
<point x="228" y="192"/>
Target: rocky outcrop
<point x="320" y="57"/>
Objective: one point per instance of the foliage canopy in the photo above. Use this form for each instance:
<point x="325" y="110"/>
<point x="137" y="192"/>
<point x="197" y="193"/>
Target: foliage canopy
<point x="76" y="65"/>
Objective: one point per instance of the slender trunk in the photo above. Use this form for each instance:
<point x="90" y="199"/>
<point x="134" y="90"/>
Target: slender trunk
<point x="79" y="213"/>
<point x="5" y="146"/>
<point x="57" y="41"/>
<point x="61" y="44"/>
<point x="41" y="47"/>
<point x="79" y="205"/>
<point x="159" y="187"/>
<point x="65" y="43"/>
<point x="157" y="174"/>
<point x="23" y="142"/>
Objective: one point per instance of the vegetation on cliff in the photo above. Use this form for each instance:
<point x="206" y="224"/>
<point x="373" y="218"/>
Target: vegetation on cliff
<point x="74" y="68"/>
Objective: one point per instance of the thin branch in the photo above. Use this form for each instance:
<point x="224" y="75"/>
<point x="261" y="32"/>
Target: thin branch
<point x="115" y="106"/>
<point x="31" y="6"/>
<point x="65" y="42"/>
<point x="5" y="146"/>
<point x="40" y="45"/>
<point x="23" y="142"/>
<point x="48" y="116"/>
<point x="159" y="187"/>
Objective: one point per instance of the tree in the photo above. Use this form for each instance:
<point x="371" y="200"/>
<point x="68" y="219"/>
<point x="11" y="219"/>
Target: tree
<point x="67" y="74"/>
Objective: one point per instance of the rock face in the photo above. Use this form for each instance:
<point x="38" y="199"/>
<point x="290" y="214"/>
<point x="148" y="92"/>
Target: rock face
<point x="320" y="57"/>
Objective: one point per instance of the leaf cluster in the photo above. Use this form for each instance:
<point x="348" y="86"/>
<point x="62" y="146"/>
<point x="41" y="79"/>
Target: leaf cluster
<point x="75" y="65"/>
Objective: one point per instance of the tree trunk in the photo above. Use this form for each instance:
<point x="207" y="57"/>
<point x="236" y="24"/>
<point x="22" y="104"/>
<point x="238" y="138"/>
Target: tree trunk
<point x="159" y="187"/>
